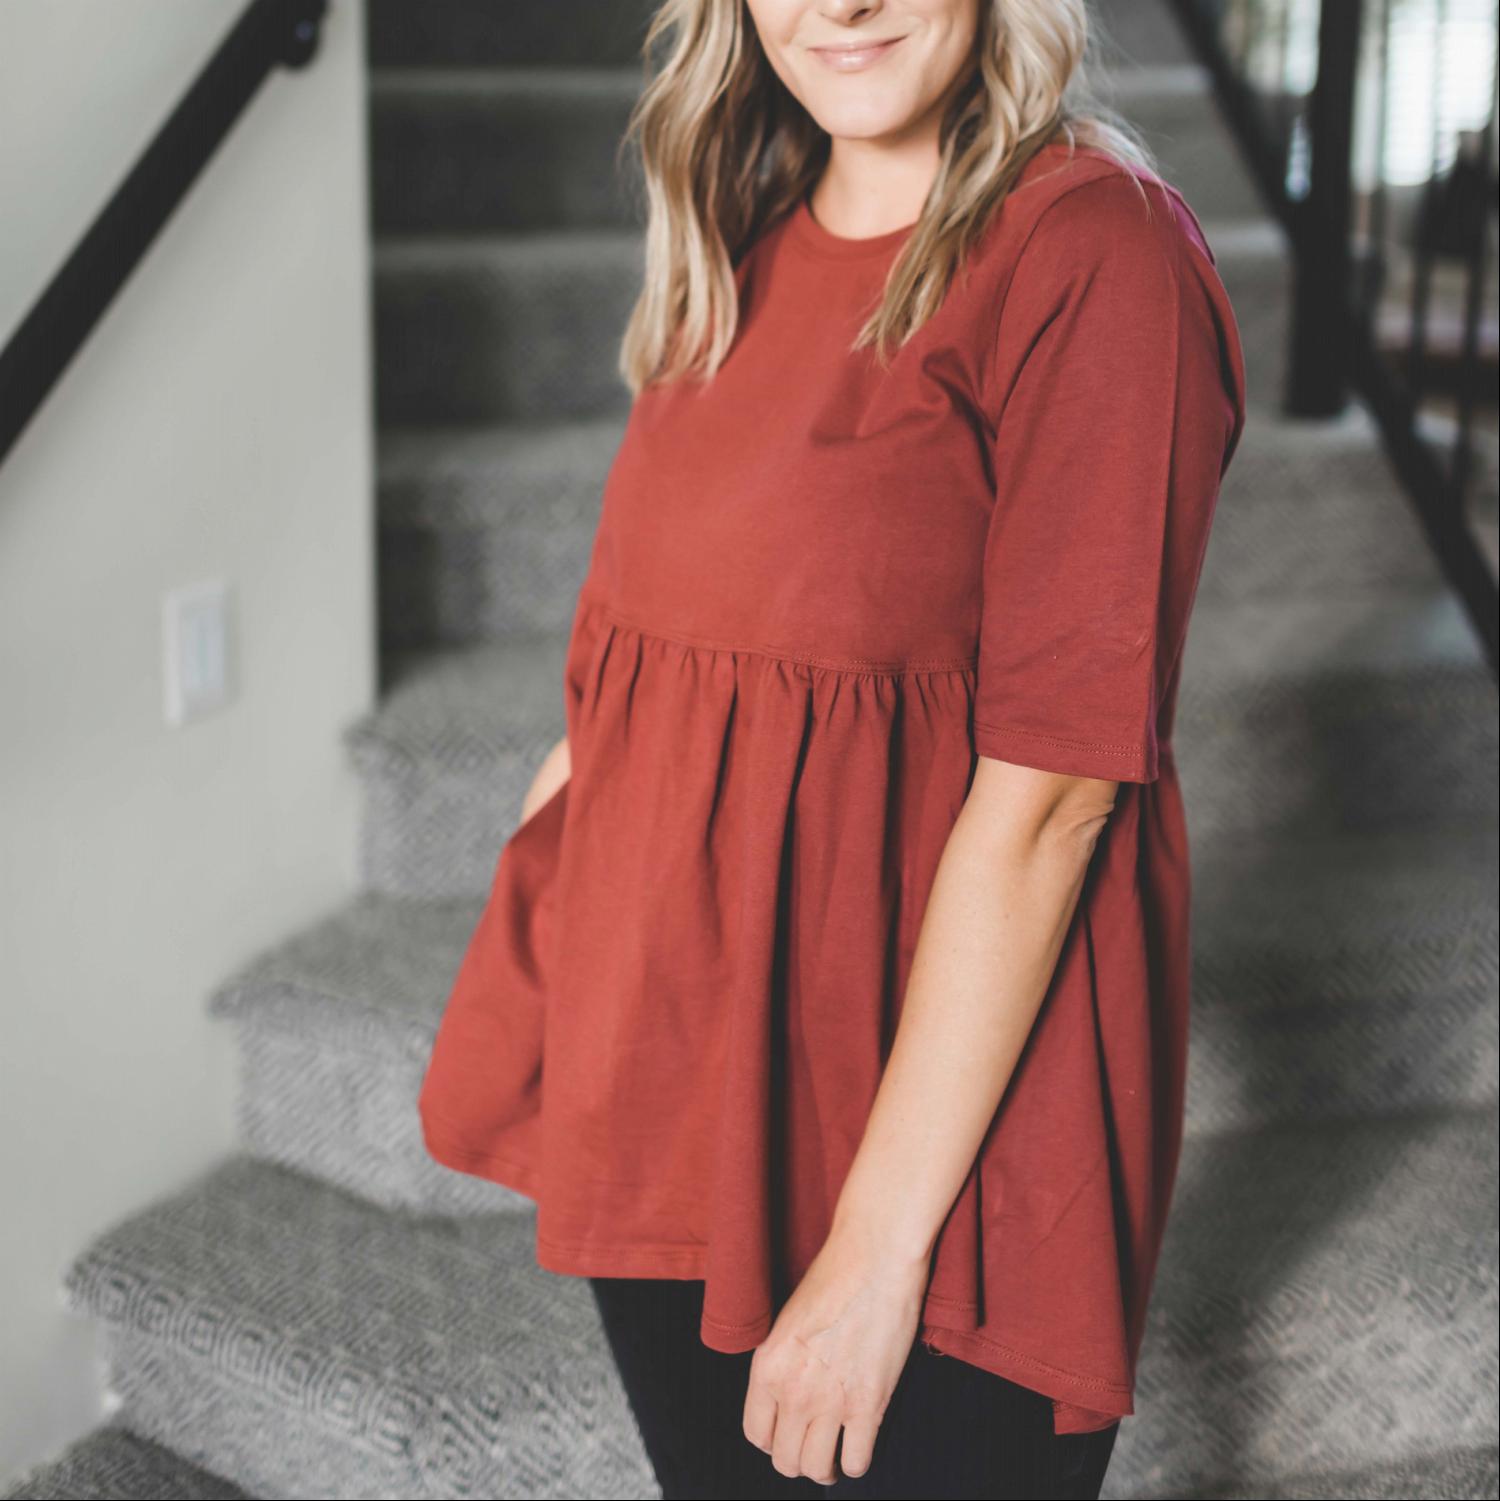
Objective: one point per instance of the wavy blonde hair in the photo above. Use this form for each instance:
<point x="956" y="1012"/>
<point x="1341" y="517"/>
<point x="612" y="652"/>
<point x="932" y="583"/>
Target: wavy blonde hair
<point x="726" y="149"/>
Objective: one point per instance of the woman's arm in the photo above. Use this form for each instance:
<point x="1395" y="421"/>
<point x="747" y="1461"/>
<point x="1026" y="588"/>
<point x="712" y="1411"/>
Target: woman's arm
<point x="556" y="768"/>
<point x="1001" y="903"/>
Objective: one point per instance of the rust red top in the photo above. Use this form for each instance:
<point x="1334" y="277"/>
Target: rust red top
<point x="816" y="593"/>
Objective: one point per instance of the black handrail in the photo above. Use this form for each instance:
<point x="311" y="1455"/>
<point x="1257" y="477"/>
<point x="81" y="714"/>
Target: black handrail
<point x="268" y="34"/>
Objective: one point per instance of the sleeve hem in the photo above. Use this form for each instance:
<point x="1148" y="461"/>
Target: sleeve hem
<point x="1083" y="758"/>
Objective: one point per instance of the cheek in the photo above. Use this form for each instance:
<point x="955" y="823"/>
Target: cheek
<point x="954" y="28"/>
<point x="772" y="27"/>
<point x="776" y="22"/>
<point x="959" y="16"/>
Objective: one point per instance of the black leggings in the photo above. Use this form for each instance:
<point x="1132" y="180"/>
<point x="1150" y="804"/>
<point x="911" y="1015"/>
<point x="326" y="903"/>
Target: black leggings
<point x="951" y="1429"/>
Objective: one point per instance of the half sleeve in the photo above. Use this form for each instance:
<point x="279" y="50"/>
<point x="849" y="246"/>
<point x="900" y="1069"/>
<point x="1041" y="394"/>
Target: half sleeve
<point x="1117" y="387"/>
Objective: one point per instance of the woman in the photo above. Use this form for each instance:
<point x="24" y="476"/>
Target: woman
<point x="869" y="698"/>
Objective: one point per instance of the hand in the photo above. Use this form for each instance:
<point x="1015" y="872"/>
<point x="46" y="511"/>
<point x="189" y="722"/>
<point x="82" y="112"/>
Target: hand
<point x="833" y="1357"/>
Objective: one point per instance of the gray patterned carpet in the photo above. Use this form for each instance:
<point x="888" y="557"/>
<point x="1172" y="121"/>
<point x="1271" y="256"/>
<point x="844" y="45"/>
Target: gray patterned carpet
<point x="330" y="1314"/>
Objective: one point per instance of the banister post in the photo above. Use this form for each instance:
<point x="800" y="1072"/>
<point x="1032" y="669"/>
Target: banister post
<point x="1317" y="384"/>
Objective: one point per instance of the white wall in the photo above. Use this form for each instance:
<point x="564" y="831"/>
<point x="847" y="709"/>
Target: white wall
<point x="83" y="87"/>
<point x="216" y="424"/>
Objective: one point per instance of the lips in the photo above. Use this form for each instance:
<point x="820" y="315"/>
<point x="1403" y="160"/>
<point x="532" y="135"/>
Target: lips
<point x="849" y="59"/>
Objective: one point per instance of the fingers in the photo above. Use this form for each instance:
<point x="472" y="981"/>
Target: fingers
<point x="760" y="1414"/>
<point x="859" y="1443"/>
<point x="818" y="1446"/>
<point x="795" y="1413"/>
<point x="786" y="1443"/>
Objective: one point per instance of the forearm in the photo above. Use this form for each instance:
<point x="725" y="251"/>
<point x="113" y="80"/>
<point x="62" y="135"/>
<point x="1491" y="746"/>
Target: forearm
<point x="1002" y="899"/>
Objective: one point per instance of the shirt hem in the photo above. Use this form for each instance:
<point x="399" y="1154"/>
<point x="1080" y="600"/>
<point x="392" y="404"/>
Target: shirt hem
<point x="568" y="1258"/>
<point x="447" y="1148"/>
<point x="1081" y="1404"/>
<point x="1059" y="753"/>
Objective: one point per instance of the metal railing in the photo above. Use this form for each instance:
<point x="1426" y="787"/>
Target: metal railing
<point x="1370" y="127"/>
<point x="268" y="34"/>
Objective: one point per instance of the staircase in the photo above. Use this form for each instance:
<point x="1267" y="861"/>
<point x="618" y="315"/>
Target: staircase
<point x="331" y="1314"/>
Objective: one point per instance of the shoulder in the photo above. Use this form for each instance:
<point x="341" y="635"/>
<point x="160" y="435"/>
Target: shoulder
<point x="1110" y="285"/>
<point x="1081" y="238"/>
<point x="1084" y="210"/>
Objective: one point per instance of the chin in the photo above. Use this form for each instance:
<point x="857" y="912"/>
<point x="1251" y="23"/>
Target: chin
<point x="862" y="120"/>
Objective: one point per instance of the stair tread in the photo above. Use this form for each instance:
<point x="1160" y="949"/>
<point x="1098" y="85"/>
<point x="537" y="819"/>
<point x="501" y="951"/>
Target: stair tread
<point x="110" y="1463"/>
<point x="486" y="527"/>
<point x="1426" y="1475"/>
<point x="466" y="708"/>
<point x="529" y="80"/>
<point x="377" y="957"/>
<point x="458" y="33"/>
<point x="1264" y="644"/>
<point x="471" y="704"/>
<point x="546" y="248"/>
<point x="432" y="1339"/>
<point x="1131" y="82"/>
<point x="1331" y="1273"/>
<point x="543" y="450"/>
<point x="1340" y="911"/>
<point x="1306" y="908"/>
<point x="1249" y="240"/>
<point x="1309" y="954"/>
<point x="1378" y="1238"/>
<point x="492" y="475"/>
<point x="1332" y="474"/>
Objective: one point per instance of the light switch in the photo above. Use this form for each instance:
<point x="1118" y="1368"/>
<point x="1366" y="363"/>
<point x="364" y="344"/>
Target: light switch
<point x="196" y="639"/>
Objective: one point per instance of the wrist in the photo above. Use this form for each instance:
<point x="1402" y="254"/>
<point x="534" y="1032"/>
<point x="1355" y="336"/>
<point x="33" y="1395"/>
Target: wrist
<point x="880" y="1237"/>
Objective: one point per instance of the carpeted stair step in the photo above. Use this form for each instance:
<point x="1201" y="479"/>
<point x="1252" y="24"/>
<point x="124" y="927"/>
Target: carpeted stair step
<point x="1343" y="975"/>
<point x="504" y="327"/>
<point x="460" y="151"/>
<point x="470" y="33"/>
<point x="334" y="1026"/>
<point x="1332" y="978"/>
<point x="313" y="1345"/>
<point x="476" y="149"/>
<point x="480" y="33"/>
<point x="113" y="1464"/>
<point x="1173" y="108"/>
<point x="1326" y="1301"/>
<point x="487" y="530"/>
<point x="446" y="757"/>
<point x="485" y="527"/>
<point x="1315" y="714"/>
<point x="1127" y="33"/>
<point x="1309" y="714"/>
<point x="1426" y="1475"/>
<point x="497" y="328"/>
<point x="1314" y="509"/>
<point x="1252" y="261"/>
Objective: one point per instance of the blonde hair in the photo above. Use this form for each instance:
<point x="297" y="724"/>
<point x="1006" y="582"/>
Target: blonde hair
<point x="726" y="149"/>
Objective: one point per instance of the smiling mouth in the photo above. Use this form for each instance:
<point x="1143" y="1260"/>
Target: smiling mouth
<point x="848" y="58"/>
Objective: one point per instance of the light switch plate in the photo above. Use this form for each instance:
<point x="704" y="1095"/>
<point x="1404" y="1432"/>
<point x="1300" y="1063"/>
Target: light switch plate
<point x="197" y="645"/>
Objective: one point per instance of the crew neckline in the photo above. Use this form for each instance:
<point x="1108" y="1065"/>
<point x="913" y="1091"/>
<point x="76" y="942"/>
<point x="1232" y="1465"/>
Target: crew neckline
<point x="813" y="237"/>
